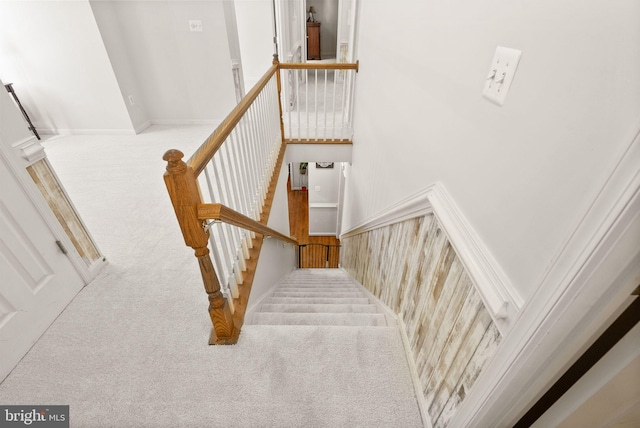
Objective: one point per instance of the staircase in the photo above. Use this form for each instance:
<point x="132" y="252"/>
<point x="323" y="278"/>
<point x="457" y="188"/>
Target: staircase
<point x="335" y="354"/>
<point x="323" y="297"/>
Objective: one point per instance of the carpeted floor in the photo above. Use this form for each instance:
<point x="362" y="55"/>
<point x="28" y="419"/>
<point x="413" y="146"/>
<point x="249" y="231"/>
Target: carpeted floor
<point x="131" y="349"/>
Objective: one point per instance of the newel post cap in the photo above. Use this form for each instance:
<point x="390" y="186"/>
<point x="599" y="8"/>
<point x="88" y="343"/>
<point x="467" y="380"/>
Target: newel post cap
<point x="174" y="161"/>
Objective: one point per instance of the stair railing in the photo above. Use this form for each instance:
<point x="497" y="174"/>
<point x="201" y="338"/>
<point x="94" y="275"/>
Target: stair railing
<point x="318" y="100"/>
<point x="222" y="197"/>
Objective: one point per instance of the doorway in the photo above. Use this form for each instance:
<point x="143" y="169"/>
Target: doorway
<point x="337" y="19"/>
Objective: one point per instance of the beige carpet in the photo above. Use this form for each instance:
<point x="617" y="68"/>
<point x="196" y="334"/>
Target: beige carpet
<point x="131" y="349"/>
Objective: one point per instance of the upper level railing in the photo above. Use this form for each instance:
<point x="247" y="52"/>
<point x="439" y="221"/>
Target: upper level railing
<point x="222" y="194"/>
<point x="317" y="100"/>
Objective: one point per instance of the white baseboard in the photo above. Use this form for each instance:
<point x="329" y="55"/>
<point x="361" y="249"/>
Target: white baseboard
<point x="142" y="126"/>
<point x="62" y="131"/>
<point x="498" y="294"/>
<point x="183" y="122"/>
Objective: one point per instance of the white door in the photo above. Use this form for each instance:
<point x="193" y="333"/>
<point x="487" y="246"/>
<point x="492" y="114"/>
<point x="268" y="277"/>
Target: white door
<point x="37" y="280"/>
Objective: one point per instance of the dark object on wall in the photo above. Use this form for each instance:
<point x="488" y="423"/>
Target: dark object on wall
<point x="9" y="87"/>
<point x="324" y="164"/>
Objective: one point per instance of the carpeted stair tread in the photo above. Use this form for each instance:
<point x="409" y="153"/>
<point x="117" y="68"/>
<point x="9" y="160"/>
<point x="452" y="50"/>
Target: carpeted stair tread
<point x="317" y="294"/>
<point x="344" y="319"/>
<point x="316" y="285"/>
<point x="319" y="300"/>
<point x="319" y="308"/>
<point x="319" y="297"/>
<point x="318" y="289"/>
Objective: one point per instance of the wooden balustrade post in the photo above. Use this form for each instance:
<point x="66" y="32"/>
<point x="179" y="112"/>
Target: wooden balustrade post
<point x="185" y="197"/>
<point x="279" y="85"/>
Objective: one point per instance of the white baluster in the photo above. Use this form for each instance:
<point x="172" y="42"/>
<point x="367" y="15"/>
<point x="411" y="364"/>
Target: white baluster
<point x="333" y="125"/>
<point x="291" y="93"/>
<point x="229" y="299"/>
<point x="298" y="74"/>
<point x="243" y="179"/>
<point x="324" y="134"/>
<point x="344" y="105"/>
<point x="306" y="93"/>
<point x="233" y="285"/>
<point x="215" y="244"/>
<point x="237" y="270"/>
<point x="228" y="198"/>
<point x="315" y="102"/>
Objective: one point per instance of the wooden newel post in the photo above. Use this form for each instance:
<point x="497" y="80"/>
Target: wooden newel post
<point x="185" y="196"/>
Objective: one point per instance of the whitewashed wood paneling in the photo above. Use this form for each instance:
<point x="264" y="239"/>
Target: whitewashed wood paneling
<point x="412" y="267"/>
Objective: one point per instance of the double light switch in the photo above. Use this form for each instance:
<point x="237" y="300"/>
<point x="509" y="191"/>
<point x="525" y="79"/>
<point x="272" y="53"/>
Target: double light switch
<point x="503" y="68"/>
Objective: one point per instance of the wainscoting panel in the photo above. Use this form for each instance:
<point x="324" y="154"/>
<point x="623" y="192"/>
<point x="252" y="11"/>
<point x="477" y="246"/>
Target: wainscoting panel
<point x="412" y="267"/>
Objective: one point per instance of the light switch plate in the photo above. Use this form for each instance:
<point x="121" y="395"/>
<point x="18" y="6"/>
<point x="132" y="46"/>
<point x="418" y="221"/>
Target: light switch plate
<point x="498" y="80"/>
<point x="195" y="25"/>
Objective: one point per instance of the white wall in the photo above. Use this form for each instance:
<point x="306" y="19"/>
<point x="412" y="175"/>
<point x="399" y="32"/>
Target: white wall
<point x="183" y="76"/>
<point x="523" y="174"/>
<point x="255" y="32"/>
<point x="106" y="17"/>
<point x="323" y="183"/>
<point x="324" y="195"/>
<point x="276" y="258"/>
<point x="53" y="53"/>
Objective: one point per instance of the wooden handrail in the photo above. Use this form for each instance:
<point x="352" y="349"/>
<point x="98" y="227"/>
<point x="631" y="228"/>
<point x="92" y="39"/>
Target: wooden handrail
<point x="319" y="66"/>
<point x="228" y="215"/>
<point x="205" y="152"/>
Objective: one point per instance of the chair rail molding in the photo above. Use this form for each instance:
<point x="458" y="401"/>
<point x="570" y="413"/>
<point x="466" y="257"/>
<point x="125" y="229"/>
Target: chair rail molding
<point x="30" y="149"/>
<point x="498" y="294"/>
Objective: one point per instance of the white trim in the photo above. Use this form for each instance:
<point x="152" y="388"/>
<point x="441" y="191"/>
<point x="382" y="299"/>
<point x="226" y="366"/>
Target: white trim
<point x="75" y="131"/>
<point x="323" y="205"/>
<point x="416" y="205"/>
<point x="500" y="297"/>
<point x="30" y="149"/>
<point x="180" y="122"/>
<point x="498" y="294"/>
<point x="134" y="130"/>
<point x="594" y="272"/>
<point x="142" y="126"/>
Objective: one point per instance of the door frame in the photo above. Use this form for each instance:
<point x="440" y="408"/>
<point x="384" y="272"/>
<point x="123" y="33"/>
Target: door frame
<point x="18" y="157"/>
